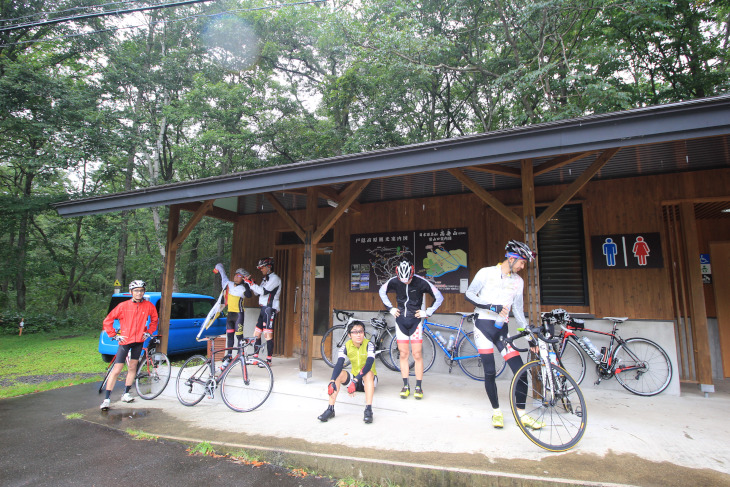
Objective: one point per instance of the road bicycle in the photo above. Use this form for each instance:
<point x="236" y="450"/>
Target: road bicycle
<point x="153" y="371"/>
<point x="638" y="364"/>
<point x="553" y="396"/>
<point x="462" y="349"/>
<point x="245" y="381"/>
<point x="376" y="330"/>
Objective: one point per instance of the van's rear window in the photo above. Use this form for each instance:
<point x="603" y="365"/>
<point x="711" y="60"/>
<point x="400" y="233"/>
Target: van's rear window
<point x="116" y="300"/>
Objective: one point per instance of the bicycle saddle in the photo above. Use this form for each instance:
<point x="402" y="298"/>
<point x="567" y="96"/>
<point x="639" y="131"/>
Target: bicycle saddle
<point x="616" y="320"/>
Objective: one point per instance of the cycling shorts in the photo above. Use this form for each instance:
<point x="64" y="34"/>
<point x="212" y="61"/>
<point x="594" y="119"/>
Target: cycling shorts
<point x="360" y="387"/>
<point x="487" y="336"/>
<point x="234" y="322"/>
<point x="266" y="319"/>
<point x="410" y="328"/>
<point x="124" y="349"/>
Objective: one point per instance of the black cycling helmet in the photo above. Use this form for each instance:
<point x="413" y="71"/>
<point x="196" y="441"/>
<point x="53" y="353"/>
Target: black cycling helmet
<point x="405" y="271"/>
<point x="265" y="262"/>
<point x="518" y="250"/>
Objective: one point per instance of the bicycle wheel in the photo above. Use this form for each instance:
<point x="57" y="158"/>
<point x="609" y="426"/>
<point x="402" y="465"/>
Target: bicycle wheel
<point x="246" y="386"/>
<point x="559" y="406"/>
<point x="338" y="336"/>
<point x="382" y="348"/>
<point x="468" y="357"/>
<point x="153" y="374"/>
<point x="573" y="361"/>
<point x="395" y="356"/>
<point x="192" y="380"/>
<point x="428" y="351"/>
<point x="642" y="366"/>
<point x="102" y="386"/>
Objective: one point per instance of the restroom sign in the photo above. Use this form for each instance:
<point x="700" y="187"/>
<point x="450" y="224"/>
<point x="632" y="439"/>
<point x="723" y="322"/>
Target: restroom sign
<point x="627" y="251"/>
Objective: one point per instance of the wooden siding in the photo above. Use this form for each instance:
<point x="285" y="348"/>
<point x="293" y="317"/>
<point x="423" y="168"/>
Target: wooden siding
<point x="629" y="205"/>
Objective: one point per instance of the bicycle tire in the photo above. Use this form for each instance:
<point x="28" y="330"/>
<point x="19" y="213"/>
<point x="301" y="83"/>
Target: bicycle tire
<point x="573" y="361"/>
<point x="428" y="350"/>
<point x="246" y="385"/>
<point x="650" y="380"/>
<point x="564" y="414"/>
<point x="339" y="336"/>
<point x="192" y="380"/>
<point x="153" y="374"/>
<point x="471" y="366"/>
<point x="106" y="376"/>
<point x="383" y="347"/>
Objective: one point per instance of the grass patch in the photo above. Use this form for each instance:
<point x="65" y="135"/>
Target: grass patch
<point x="203" y="448"/>
<point x="141" y="435"/>
<point x="25" y="359"/>
<point x="245" y="456"/>
<point x="73" y="416"/>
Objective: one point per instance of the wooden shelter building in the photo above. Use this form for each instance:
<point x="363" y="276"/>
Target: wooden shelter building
<point x="597" y="195"/>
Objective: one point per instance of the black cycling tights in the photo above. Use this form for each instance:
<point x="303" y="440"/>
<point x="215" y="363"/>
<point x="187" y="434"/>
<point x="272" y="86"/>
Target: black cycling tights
<point x="491" y="385"/>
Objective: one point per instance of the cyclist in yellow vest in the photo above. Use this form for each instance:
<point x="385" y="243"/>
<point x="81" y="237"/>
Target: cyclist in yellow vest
<point x="361" y="353"/>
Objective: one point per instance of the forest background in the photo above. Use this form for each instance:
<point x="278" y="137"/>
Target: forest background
<point x="106" y="104"/>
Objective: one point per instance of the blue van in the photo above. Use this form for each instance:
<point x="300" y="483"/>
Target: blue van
<point x="187" y="313"/>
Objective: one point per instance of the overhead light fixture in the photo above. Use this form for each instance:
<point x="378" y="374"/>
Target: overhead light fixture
<point x="332" y="203"/>
<point x="726" y="210"/>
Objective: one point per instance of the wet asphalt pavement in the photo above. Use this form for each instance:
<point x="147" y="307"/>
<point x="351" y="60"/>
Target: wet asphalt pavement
<point x="40" y="446"/>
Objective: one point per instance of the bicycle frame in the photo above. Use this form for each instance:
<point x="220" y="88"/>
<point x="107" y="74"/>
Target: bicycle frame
<point x="459" y="331"/>
<point x="606" y="362"/>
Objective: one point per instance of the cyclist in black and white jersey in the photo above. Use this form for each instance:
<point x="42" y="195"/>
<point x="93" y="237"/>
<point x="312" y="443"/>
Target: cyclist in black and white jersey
<point x="409" y="312"/>
<point x="268" y="292"/>
<point x="495" y="291"/>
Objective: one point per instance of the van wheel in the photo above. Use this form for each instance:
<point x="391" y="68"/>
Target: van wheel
<point x="107" y="358"/>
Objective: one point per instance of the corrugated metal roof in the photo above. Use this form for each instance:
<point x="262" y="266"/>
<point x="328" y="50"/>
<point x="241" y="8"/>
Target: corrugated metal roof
<point x="685" y="136"/>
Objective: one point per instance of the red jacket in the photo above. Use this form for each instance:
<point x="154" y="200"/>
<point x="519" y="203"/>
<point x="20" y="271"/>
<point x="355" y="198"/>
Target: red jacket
<point x="133" y="320"/>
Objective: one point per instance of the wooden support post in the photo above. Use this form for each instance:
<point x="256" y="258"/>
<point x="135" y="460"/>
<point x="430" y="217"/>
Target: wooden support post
<point x="168" y="276"/>
<point x="529" y="215"/>
<point x="306" y="322"/>
<point x="698" y="313"/>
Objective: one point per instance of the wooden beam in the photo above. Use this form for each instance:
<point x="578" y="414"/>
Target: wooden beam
<point x="329" y="193"/>
<point x="500" y="207"/>
<point x="168" y="277"/>
<point x="194" y="220"/>
<point x="348" y="196"/>
<point x="560" y="161"/>
<point x="306" y="323"/>
<point x="698" y="313"/>
<point x="214" y="212"/>
<point x="286" y="216"/>
<point x="511" y="172"/>
<point x="528" y="215"/>
<point x="574" y="187"/>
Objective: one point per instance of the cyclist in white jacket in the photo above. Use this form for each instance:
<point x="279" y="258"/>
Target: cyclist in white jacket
<point x="494" y="291"/>
<point x="268" y="292"/>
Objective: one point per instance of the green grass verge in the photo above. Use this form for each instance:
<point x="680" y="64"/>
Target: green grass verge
<point x="47" y="354"/>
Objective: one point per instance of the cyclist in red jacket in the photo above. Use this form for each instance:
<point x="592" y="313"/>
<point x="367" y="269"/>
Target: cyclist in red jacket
<point x="134" y="316"/>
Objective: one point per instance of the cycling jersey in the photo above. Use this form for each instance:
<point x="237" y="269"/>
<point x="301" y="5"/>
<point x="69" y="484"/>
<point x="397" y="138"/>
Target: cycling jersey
<point x="235" y="292"/>
<point x="360" y="357"/>
<point x="491" y="287"/>
<point x="268" y="291"/>
<point x="133" y="318"/>
<point x="409" y="297"/>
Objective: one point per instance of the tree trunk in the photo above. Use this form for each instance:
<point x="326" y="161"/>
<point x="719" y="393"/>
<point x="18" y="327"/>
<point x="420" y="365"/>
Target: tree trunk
<point x="22" y="242"/>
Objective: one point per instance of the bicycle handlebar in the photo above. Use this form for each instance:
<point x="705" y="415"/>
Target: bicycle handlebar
<point x="532" y="331"/>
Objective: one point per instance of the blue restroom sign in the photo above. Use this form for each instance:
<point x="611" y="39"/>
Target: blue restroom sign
<point x="627" y="251"/>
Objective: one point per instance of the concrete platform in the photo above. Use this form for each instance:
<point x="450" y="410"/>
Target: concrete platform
<point x="447" y="437"/>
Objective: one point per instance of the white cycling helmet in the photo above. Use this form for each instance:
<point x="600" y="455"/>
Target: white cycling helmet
<point x="244" y="273"/>
<point x="518" y="250"/>
<point x="405" y="271"/>
<point x="137" y="283"/>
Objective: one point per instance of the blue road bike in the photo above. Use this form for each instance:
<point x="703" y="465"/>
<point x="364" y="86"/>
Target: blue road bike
<point x="463" y="350"/>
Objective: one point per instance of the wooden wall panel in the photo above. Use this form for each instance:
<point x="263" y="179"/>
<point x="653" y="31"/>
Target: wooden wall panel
<point x="615" y="206"/>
